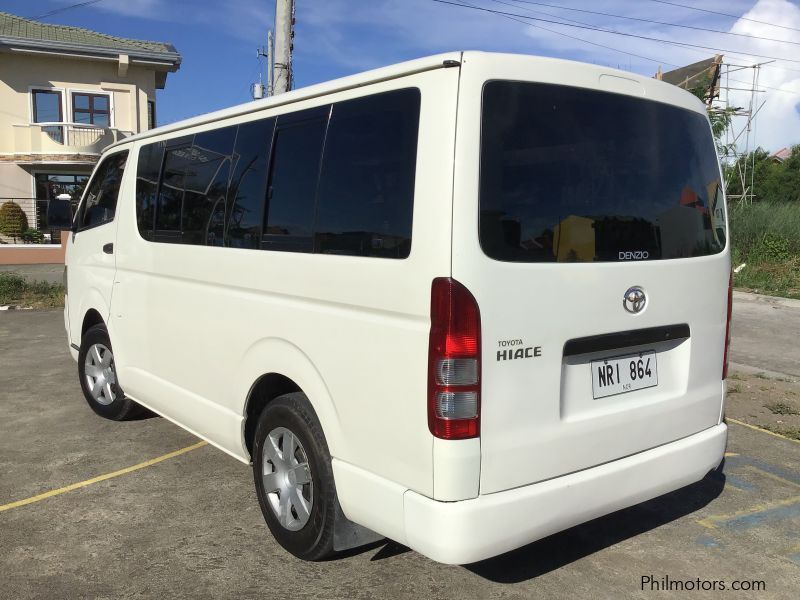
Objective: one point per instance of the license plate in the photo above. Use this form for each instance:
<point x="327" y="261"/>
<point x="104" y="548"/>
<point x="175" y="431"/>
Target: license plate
<point x="622" y="374"/>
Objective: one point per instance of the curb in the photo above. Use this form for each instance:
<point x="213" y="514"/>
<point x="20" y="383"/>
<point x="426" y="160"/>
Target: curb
<point x="774" y="300"/>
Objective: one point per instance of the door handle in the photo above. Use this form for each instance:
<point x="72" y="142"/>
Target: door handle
<point x="108" y="248"/>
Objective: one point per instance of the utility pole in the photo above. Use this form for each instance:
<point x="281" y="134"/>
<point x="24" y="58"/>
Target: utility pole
<point x="270" y="89"/>
<point x="284" y="38"/>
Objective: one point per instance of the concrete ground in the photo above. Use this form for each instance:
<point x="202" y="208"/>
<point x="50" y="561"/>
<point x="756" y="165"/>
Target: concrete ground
<point x="764" y="333"/>
<point x="189" y="526"/>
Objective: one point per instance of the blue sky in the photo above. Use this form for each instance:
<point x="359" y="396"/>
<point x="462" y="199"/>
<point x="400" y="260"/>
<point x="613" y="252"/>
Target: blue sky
<point x="218" y="41"/>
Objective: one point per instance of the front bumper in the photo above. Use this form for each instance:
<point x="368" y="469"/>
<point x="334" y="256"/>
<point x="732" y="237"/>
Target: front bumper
<point x="471" y="530"/>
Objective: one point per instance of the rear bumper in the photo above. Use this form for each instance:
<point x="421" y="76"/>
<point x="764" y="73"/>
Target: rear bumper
<point x="471" y="530"/>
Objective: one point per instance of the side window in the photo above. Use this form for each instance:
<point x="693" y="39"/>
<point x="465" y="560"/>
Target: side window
<point x="170" y="191"/>
<point x="208" y="169"/>
<point x="147" y="171"/>
<point x="100" y="201"/>
<point x="248" y="184"/>
<point x="293" y="182"/>
<point x="366" y="190"/>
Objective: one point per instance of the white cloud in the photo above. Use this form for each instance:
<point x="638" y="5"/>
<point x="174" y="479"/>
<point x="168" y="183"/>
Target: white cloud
<point x="336" y="37"/>
<point x="778" y="122"/>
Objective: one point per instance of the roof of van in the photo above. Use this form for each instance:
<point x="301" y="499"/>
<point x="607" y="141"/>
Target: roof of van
<point x="410" y="67"/>
<point x="402" y="69"/>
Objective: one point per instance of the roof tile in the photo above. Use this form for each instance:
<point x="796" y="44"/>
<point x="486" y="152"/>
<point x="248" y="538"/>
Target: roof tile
<point x="26" y="29"/>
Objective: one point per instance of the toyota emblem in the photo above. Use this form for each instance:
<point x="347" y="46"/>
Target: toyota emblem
<point x="634" y="300"/>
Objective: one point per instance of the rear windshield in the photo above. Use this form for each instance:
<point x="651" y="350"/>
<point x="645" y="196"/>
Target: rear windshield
<point x="576" y="175"/>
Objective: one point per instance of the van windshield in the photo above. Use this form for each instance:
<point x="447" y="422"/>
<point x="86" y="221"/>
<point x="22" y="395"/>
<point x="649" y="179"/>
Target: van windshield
<point x="576" y="175"/>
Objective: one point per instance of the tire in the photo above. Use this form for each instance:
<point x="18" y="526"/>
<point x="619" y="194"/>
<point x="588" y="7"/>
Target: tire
<point x="98" y="377"/>
<point x="299" y="508"/>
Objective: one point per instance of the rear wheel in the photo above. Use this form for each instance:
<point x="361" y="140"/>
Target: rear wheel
<point x="98" y="377"/>
<point x="294" y="478"/>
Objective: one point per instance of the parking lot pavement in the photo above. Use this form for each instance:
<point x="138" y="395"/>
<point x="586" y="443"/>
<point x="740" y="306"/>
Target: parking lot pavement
<point x="190" y="526"/>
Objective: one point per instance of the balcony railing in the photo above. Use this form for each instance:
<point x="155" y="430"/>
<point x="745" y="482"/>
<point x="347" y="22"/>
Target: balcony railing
<point x="60" y="138"/>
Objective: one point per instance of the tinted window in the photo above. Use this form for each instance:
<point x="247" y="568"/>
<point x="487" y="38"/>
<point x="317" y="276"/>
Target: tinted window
<point x="569" y="174"/>
<point x="292" y="185"/>
<point x="206" y="187"/>
<point x="100" y="201"/>
<point x="170" y="192"/>
<point x="147" y="171"/>
<point x="248" y="184"/>
<point x="366" y="192"/>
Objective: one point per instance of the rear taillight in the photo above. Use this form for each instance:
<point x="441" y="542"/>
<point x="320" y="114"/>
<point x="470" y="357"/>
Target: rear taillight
<point x="454" y="364"/>
<point x="728" y="328"/>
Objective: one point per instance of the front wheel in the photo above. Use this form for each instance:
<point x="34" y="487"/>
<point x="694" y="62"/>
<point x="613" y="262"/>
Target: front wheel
<point x="98" y="375"/>
<point x="294" y="478"/>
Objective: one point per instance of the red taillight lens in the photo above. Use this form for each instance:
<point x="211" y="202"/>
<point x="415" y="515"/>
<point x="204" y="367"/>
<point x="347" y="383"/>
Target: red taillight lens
<point x="728" y="328"/>
<point x="454" y="366"/>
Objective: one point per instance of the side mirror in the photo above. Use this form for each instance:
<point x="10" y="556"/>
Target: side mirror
<point x="59" y="214"/>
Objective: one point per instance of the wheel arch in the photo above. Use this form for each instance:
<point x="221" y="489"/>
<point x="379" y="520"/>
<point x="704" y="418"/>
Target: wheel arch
<point x="274" y="367"/>
<point x="93" y="310"/>
<point x="91" y="318"/>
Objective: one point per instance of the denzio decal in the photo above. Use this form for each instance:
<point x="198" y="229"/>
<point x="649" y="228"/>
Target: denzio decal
<point x="634" y="255"/>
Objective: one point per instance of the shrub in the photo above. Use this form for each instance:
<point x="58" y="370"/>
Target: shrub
<point x="12" y="220"/>
<point x="14" y="289"/>
<point x="773" y="247"/>
<point x="11" y="287"/>
<point x="32" y="236"/>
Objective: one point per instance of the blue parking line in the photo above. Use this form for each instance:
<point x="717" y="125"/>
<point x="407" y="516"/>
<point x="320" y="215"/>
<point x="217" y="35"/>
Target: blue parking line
<point x="709" y="542"/>
<point x="739" y="460"/>
<point x="761" y="517"/>
<point x="740" y="484"/>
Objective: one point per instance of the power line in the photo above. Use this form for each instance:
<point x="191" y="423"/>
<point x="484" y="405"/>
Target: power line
<point x="633" y="35"/>
<point x="525" y="21"/>
<point x="714" y="12"/>
<point x="615" y="31"/>
<point x="572" y="37"/>
<point x="668" y="24"/>
<point x="66" y="8"/>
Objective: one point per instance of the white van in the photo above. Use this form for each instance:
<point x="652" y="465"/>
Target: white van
<point x="463" y="302"/>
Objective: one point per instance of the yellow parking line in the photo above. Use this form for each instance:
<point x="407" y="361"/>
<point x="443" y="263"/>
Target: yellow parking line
<point x="743" y="424"/>
<point x="711" y="522"/>
<point x="729" y="454"/>
<point x="99" y="478"/>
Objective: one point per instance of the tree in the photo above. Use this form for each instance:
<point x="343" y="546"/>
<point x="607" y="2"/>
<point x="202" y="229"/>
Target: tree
<point x="773" y="181"/>
<point x="720" y="117"/>
<point x="12" y="220"/>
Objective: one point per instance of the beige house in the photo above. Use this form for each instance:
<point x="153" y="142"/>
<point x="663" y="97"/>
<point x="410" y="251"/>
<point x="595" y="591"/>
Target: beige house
<point x="65" y="94"/>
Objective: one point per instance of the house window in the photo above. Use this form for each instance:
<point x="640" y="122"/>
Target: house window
<point x="50" y="185"/>
<point x="151" y="114"/>
<point x="91" y="109"/>
<point x="47" y="109"/>
<point x="46" y="106"/>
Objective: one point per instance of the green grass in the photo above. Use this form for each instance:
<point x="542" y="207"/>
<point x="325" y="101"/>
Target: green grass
<point x="781" y="408"/>
<point x="766" y="236"/>
<point x="15" y="290"/>
<point x="789" y="432"/>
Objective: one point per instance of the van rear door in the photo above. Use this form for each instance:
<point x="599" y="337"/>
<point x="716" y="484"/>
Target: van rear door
<point x="589" y="224"/>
